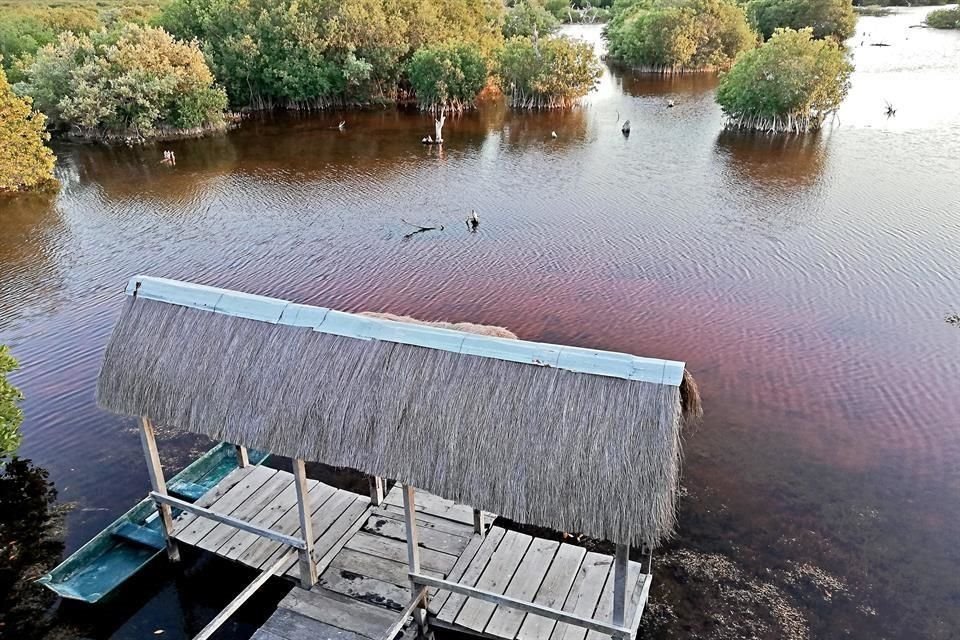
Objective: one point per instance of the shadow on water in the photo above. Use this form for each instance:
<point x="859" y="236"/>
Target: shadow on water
<point x="777" y="163"/>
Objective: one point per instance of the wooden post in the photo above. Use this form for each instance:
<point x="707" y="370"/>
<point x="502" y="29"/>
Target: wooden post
<point x="620" y="566"/>
<point x="243" y="460"/>
<point x="413" y="554"/>
<point x="478" y="521"/>
<point x="376" y="490"/>
<point x="308" y="567"/>
<point x="149" y="441"/>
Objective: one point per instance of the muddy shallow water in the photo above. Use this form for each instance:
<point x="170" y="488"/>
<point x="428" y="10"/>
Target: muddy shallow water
<point x="805" y="281"/>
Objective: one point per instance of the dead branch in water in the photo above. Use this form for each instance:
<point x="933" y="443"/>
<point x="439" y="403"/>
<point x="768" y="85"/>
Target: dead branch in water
<point x="419" y="228"/>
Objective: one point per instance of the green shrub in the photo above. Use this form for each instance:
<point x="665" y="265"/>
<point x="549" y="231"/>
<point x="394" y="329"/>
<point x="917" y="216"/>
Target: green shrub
<point x="447" y="77"/>
<point x="25" y="163"/>
<point x="131" y="82"/>
<point x="319" y="53"/>
<point x="548" y="73"/>
<point x="944" y="18"/>
<point x="10" y="413"/>
<point x="527" y="16"/>
<point x="689" y="35"/>
<point x="828" y="18"/>
<point x="790" y="83"/>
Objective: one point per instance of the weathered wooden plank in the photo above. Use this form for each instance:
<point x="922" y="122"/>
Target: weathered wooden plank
<point x="285" y="624"/>
<point x="396" y="550"/>
<point x="322" y="518"/>
<point x="159" y="485"/>
<point x="436" y="597"/>
<point x="553" y="591"/>
<point x="633" y="585"/>
<point x="243" y="458"/>
<point x="428" y="538"/>
<point x="435" y="505"/>
<point x="240" y="541"/>
<point x="308" y="565"/>
<point x="505" y="622"/>
<point x="229" y="482"/>
<point x="448" y="612"/>
<point x="500" y="570"/>
<point x="214" y="625"/>
<point x="324" y="560"/>
<point x="365" y="588"/>
<point x="339" y="611"/>
<point x="263" y="634"/>
<point x="620" y="587"/>
<point x="377" y="567"/>
<point x="427" y="520"/>
<point x="333" y="527"/>
<point x="246" y="511"/>
<point x="585" y="593"/>
<point x="260" y="549"/>
<point x="226" y="504"/>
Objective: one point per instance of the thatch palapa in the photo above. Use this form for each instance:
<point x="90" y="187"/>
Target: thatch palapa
<point x="562" y="437"/>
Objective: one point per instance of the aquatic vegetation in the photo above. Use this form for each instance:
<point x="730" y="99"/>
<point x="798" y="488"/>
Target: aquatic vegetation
<point x="790" y="83"/>
<point x="10" y="413"/>
<point x="547" y="73"/>
<point x="447" y="77"/>
<point x="527" y="17"/>
<point x="131" y="83"/>
<point x="25" y="163"/>
<point x="828" y="18"/>
<point x="873" y="10"/>
<point x="689" y="35"/>
<point x="307" y="55"/>
<point x="944" y="18"/>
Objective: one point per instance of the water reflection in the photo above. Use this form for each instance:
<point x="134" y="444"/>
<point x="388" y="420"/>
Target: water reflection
<point x="772" y="163"/>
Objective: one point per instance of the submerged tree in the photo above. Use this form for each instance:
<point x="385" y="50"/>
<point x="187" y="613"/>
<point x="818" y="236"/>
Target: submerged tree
<point x="547" y="73"/>
<point x="447" y="77"/>
<point x="25" y="163"/>
<point x="10" y="413"/>
<point x="132" y="82"/>
<point x="828" y="18"/>
<point x="676" y="37"/>
<point x="790" y="83"/>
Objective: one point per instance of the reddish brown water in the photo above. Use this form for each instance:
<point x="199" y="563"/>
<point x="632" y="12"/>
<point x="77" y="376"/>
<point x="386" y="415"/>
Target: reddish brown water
<point x="805" y="281"/>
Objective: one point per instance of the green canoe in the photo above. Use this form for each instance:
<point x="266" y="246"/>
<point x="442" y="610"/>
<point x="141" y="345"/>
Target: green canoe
<point x="135" y="538"/>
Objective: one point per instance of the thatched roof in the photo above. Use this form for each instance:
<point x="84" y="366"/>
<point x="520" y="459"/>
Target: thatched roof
<point x="562" y="437"/>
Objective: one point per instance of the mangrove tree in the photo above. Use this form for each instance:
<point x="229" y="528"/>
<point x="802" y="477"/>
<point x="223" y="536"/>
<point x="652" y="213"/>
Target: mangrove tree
<point x="447" y="77"/>
<point x="664" y="36"/>
<point x="129" y="83"/>
<point x="25" y="163"/>
<point x="10" y="413"/>
<point x="790" y="83"/>
<point x="828" y="18"/>
<point x="944" y="18"/>
<point x="547" y="73"/>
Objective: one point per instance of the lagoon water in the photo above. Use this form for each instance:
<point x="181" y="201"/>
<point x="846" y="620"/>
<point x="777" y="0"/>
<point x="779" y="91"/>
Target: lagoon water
<point x="805" y="281"/>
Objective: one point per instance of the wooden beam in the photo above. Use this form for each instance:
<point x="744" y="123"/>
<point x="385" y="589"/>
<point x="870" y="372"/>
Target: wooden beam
<point x="620" y="565"/>
<point x="414" y="603"/>
<point x="376" y="490"/>
<point x="149" y="441"/>
<point x="242" y="597"/>
<point x="243" y="525"/>
<point x="529" y="607"/>
<point x="243" y="460"/>
<point x="413" y="554"/>
<point x="308" y="567"/>
<point x="479" y="526"/>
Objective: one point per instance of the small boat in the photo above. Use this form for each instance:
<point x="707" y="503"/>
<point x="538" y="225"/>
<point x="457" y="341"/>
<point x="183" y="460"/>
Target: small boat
<point x="130" y="542"/>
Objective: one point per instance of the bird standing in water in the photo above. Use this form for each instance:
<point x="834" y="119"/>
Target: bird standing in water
<point x="553" y="134"/>
<point x="473" y="221"/>
<point x="625" y="129"/>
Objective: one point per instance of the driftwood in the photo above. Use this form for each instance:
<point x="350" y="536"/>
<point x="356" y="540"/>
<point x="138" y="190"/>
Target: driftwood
<point x="419" y="228"/>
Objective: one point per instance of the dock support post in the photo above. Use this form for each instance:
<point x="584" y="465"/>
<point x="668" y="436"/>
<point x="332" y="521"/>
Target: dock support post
<point x="413" y="555"/>
<point x="376" y="490"/>
<point x="478" y="521"/>
<point x="620" y="567"/>
<point x="308" y="566"/>
<point x="243" y="460"/>
<point x="149" y="441"/>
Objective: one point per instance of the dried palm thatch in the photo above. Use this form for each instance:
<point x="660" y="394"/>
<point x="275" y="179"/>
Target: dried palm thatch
<point x="539" y="444"/>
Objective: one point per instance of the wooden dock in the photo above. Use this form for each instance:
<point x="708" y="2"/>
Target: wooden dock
<point x="361" y="556"/>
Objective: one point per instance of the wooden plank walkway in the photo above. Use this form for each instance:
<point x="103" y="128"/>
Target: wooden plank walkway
<point x="362" y="563"/>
